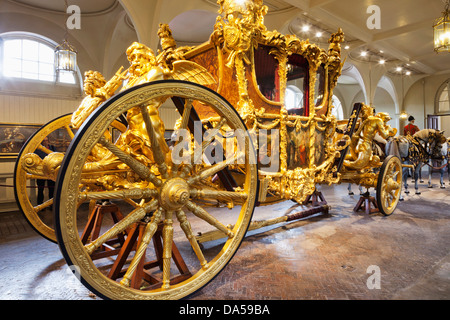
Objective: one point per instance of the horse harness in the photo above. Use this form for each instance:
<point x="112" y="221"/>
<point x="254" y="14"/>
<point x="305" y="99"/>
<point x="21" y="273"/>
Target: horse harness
<point x="417" y="150"/>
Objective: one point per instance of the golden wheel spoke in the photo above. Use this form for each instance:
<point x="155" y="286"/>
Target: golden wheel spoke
<point x="44" y="205"/>
<point x="134" y="164"/>
<point x="135" y="193"/>
<point x="131" y="202"/>
<point x="183" y="126"/>
<point x="394" y="175"/>
<point x="157" y="148"/>
<point x="44" y="149"/>
<point x="392" y="195"/>
<point x="149" y="232"/>
<point x="211" y="170"/>
<point x="69" y="131"/>
<point x="204" y="215"/>
<point x="196" y="156"/>
<point x="187" y="229"/>
<point x="167" y="235"/>
<point x="133" y="217"/>
<point x="218" y="194"/>
<point x="389" y="199"/>
<point x="212" y="133"/>
<point x="186" y="114"/>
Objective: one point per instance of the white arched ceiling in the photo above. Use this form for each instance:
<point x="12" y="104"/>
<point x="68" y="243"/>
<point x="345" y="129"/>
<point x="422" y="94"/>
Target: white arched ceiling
<point x="193" y="26"/>
<point x="88" y="7"/>
<point x="385" y="102"/>
<point x="351" y="75"/>
<point x="121" y="36"/>
<point x="387" y="84"/>
<point x="144" y="14"/>
<point x="351" y="86"/>
<point x="148" y="14"/>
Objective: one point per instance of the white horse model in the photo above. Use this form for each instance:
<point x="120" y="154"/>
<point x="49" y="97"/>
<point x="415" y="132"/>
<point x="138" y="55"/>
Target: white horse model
<point x="416" y="150"/>
<point x="442" y="165"/>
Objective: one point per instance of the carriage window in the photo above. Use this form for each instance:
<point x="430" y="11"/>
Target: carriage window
<point x="337" y="110"/>
<point x="293" y="98"/>
<point x="266" y="70"/>
<point x="319" y="89"/>
<point x="297" y="77"/>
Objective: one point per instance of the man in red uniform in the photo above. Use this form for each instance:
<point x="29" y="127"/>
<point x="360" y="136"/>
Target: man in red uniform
<point x="410" y="128"/>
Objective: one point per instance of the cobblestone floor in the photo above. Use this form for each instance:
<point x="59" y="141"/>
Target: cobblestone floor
<point x="322" y="257"/>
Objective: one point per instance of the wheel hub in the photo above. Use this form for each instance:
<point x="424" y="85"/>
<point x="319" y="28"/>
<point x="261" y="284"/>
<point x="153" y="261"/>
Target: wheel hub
<point x="174" y="194"/>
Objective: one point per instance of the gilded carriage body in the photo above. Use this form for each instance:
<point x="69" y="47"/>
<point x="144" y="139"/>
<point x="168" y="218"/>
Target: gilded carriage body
<point x="252" y="68"/>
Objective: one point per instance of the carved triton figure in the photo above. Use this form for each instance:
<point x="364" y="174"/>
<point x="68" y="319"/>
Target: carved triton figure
<point x="97" y="91"/>
<point x="361" y="153"/>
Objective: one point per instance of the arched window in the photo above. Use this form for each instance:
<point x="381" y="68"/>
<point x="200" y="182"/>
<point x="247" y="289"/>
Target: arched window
<point x="30" y="56"/>
<point x="442" y="98"/>
<point x="337" y="110"/>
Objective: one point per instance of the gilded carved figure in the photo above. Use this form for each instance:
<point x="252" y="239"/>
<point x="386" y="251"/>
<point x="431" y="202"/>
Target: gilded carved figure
<point x="97" y="90"/>
<point x="361" y="153"/>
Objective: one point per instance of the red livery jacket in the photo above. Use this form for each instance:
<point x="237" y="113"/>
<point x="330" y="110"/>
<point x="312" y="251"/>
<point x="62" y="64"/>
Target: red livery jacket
<point x="410" y="129"/>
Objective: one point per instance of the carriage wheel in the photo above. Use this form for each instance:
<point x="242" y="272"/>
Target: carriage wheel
<point x="37" y="216"/>
<point x="40" y="219"/>
<point x="389" y="185"/>
<point x="167" y="203"/>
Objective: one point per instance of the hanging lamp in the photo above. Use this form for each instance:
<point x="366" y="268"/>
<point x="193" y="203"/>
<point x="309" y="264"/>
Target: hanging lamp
<point x="65" y="55"/>
<point x="442" y="31"/>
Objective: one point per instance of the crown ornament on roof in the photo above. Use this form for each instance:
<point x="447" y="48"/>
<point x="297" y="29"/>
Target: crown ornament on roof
<point x="250" y="12"/>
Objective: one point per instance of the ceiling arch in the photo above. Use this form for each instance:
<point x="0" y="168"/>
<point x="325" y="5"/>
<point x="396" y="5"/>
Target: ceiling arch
<point x="88" y="7"/>
<point x="352" y="76"/>
<point x="387" y="84"/>
<point x="193" y="26"/>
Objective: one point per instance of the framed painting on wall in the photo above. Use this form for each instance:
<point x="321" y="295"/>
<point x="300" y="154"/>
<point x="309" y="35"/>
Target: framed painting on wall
<point x="13" y="136"/>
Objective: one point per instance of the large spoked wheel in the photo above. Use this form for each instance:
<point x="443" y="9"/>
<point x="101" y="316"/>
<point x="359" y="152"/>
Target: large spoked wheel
<point x="35" y="213"/>
<point x="164" y="200"/>
<point x="40" y="215"/>
<point x="389" y="185"/>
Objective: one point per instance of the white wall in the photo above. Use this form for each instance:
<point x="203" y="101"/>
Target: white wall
<point x="17" y="108"/>
<point x="420" y="99"/>
<point x="383" y="102"/>
<point x="417" y="98"/>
